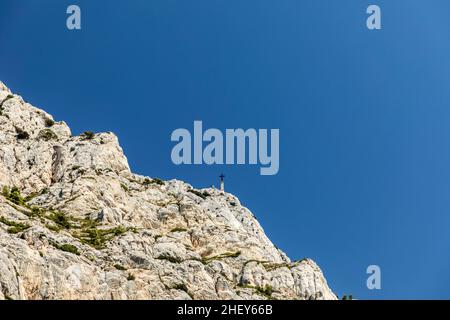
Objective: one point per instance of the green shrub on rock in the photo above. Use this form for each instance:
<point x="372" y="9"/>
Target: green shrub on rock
<point x="47" y="135"/>
<point x="88" y="135"/>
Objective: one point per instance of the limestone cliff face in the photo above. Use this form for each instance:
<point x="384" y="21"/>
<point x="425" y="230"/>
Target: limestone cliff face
<point x="76" y="223"/>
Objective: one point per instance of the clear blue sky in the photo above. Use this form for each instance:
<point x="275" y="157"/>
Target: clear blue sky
<point x="364" y="116"/>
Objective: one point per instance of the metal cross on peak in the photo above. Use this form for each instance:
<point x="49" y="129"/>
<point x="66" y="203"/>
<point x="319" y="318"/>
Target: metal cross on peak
<point x="222" y="182"/>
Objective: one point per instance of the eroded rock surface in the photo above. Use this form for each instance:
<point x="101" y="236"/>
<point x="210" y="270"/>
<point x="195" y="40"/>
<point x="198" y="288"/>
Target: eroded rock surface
<point x="76" y="223"/>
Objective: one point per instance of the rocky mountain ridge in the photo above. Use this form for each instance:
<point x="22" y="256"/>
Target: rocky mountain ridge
<point x="76" y="223"/>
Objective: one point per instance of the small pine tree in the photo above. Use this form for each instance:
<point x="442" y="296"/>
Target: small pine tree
<point x="5" y="192"/>
<point x="88" y="135"/>
<point x="16" y="197"/>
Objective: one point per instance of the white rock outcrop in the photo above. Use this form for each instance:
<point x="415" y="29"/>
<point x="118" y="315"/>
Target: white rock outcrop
<point x="76" y="223"/>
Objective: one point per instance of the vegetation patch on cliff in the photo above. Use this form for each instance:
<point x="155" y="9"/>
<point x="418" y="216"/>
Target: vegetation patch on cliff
<point x="222" y="256"/>
<point x="97" y="238"/>
<point x="66" y="247"/>
<point x="15" y="227"/>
